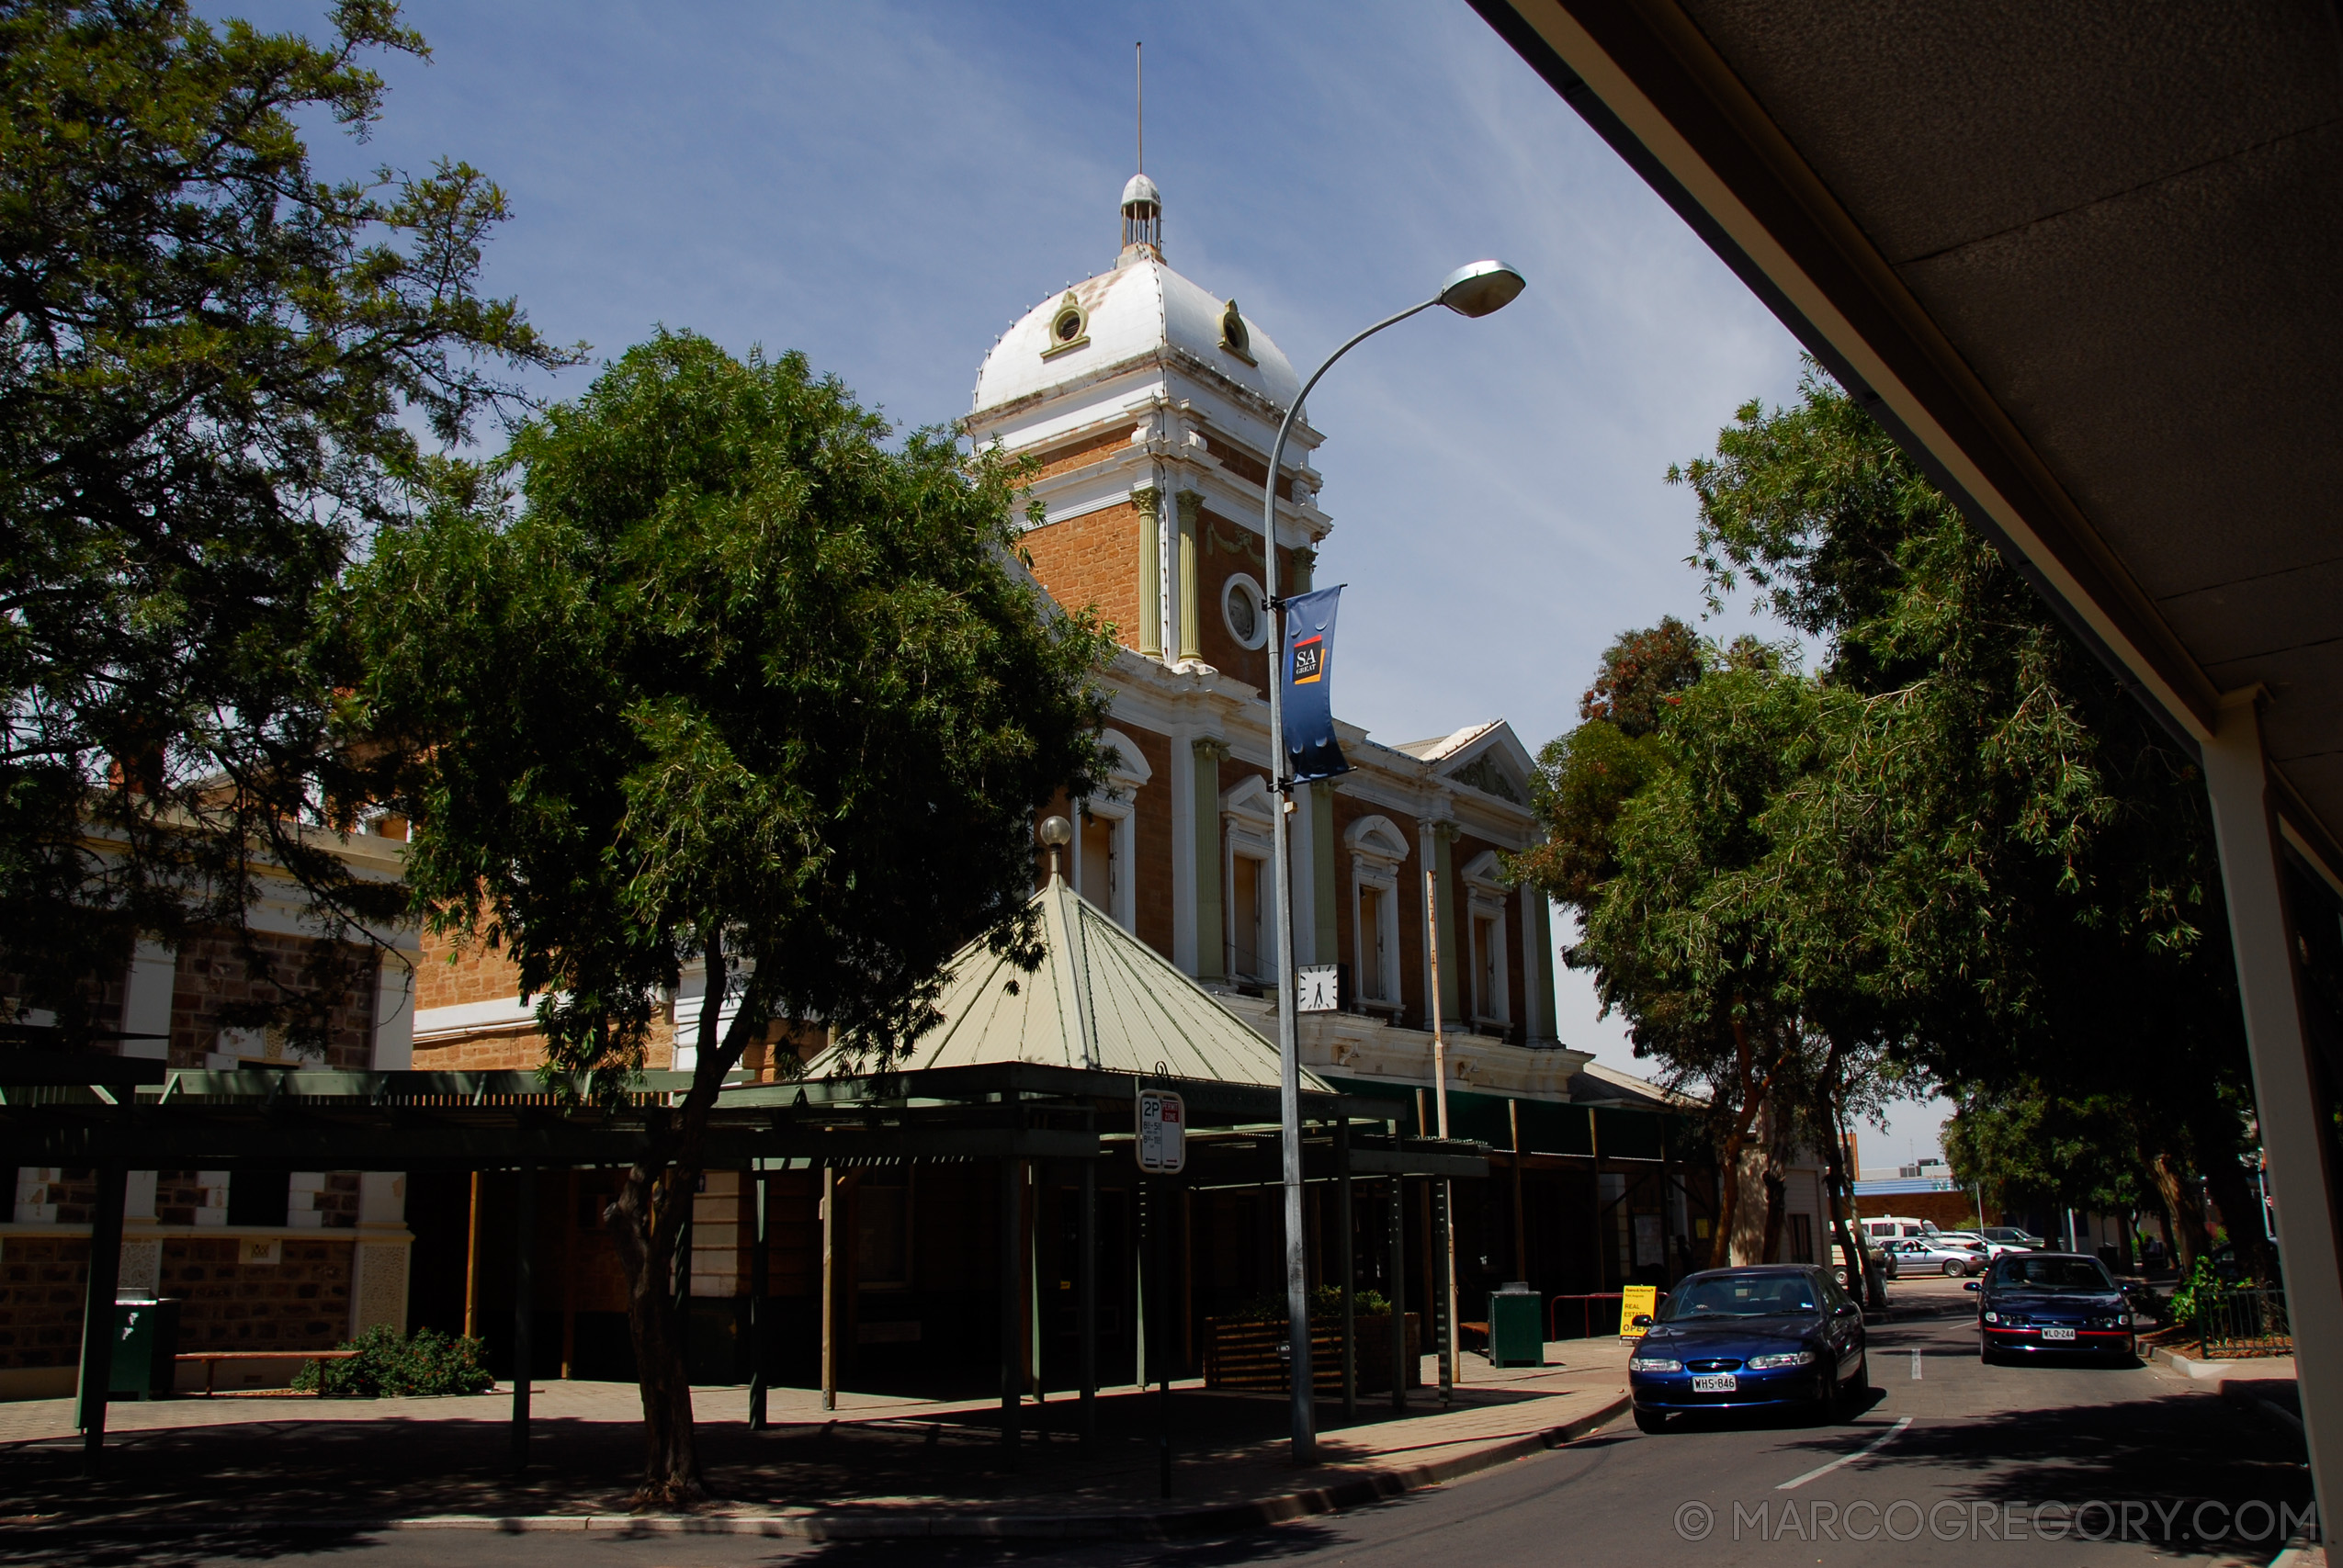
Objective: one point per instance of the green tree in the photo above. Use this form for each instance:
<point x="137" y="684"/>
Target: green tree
<point x="2017" y="864"/>
<point x="213" y="367"/>
<point x="1959" y="856"/>
<point x="2028" y="1149"/>
<point x="1653" y="810"/>
<point x="1644" y="675"/>
<point x="733" y="683"/>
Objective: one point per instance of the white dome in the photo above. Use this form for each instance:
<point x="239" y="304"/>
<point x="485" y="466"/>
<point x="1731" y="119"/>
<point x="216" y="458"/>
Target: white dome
<point x="1141" y="188"/>
<point x="1136" y="311"/>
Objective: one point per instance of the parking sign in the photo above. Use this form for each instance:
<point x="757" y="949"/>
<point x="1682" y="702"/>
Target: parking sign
<point x="1163" y="1131"/>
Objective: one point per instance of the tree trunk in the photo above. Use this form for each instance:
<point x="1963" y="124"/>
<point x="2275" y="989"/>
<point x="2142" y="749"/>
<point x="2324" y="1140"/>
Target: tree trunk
<point x="1737" y="1138"/>
<point x="1834" y="1180"/>
<point x="2240" y="1207"/>
<point x="1757" y="1182"/>
<point x="1781" y="1132"/>
<point x="648" y="1221"/>
<point x="2182" y="1212"/>
<point x="671" y="1456"/>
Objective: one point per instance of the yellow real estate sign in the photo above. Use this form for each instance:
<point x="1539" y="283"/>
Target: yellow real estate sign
<point x="1635" y="1301"/>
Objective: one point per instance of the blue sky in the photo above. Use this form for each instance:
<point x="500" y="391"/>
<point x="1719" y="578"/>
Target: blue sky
<point x="887" y="187"/>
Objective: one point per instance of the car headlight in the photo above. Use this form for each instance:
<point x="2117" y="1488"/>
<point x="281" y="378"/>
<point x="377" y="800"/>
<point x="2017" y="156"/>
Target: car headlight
<point x="1992" y="1316"/>
<point x="2109" y="1322"/>
<point x="1786" y="1359"/>
<point x="1653" y="1364"/>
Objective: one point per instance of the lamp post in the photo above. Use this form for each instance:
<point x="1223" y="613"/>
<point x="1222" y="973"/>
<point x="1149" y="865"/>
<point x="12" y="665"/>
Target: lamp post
<point x="1471" y="290"/>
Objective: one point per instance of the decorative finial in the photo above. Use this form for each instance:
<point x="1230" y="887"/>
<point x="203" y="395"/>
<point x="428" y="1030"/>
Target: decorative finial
<point x="1142" y="206"/>
<point x="1056" y="833"/>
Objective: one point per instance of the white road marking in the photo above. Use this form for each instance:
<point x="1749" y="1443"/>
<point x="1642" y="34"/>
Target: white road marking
<point x="1915" y="1366"/>
<point x="1871" y="1447"/>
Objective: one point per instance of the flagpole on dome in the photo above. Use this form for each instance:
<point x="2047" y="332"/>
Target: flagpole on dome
<point x="1476" y="289"/>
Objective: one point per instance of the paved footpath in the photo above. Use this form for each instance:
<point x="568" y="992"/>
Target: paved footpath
<point x="877" y="1466"/>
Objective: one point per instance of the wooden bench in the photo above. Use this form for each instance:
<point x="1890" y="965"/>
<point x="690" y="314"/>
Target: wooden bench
<point x="212" y="1359"/>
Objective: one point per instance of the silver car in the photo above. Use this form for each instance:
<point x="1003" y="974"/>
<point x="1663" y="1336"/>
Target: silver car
<point x="1934" y="1255"/>
<point x="1994" y="1245"/>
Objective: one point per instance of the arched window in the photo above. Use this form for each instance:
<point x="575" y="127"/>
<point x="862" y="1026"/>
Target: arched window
<point x="1377" y="851"/>
<point x="1485" y="900"/>
<point x="1247" y="814"/>
<point x="1105" y="858"/>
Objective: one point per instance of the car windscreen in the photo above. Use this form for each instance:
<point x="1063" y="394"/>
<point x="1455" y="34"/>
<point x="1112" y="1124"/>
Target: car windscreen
<point x="2052" y="1274"/>
<point x="1746" y="1295"/>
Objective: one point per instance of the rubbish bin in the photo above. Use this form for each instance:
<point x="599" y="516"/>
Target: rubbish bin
<point x="146" y="1345"/>
<point x="1516" y="1336"/>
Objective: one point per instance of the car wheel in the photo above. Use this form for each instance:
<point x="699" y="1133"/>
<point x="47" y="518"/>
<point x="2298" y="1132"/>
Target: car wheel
<point x="1985" y="1351"/>
<point x="1650" y="1421"/>
<point x="1828" y="1399"/>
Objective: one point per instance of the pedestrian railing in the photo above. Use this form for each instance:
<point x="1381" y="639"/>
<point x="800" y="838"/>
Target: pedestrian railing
<point x="1585" y="1313"/>
<point x="1587" y="1308"/>
<point x="2250" y="1322"/>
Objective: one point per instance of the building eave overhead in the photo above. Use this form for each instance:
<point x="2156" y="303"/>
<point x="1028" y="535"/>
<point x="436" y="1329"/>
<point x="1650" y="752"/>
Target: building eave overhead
<point x="2085" y="274"/>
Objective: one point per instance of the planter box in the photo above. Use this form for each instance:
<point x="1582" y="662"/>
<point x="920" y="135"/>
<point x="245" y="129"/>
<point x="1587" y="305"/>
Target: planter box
<point x="1249" y="1356"/>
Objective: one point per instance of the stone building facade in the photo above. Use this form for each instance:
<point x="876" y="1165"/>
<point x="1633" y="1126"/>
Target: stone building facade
<point x="1148" y="406"/>
<point x="262" y="1260"/>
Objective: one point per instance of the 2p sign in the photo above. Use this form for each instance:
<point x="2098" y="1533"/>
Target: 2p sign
<point x="1162" y="1132"/>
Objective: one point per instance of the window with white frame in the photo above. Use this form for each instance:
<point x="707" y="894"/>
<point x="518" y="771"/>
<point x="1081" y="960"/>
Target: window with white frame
<point x="1485" y="897"/>
<point x="1246" y="815"/>
<point x="1377" y="851"/>
<point x="1099" y="871"/>
<point x="1105" y="856"/>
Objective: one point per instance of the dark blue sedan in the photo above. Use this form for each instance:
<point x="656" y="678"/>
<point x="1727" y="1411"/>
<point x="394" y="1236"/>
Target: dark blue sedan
<point x="2036" y="1305"/>
<point x="1780" y="1336"/>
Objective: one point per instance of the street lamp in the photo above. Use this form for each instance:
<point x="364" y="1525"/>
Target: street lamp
<point x="1475" y="289"/>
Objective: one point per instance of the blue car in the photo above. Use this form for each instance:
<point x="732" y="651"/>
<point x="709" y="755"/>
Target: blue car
<point x="2037" y="1305"/>
<point x="1764" y="1337"/>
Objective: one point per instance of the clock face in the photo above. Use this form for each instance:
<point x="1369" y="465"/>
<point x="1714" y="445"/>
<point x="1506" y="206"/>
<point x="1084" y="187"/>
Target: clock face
<point x="1316" y="988"/>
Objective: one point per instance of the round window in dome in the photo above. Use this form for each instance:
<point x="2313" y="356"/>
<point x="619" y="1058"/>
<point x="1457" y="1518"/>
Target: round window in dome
<point x="1242" y="606"/>
<point x="1069" y="327"/>
<point x="1233" y="335"/>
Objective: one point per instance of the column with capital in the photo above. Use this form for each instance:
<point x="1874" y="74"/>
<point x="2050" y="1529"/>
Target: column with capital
<point x="1189" y="631"/>
<point x="1212" y="947"/>
<point x="1148" y="501"/>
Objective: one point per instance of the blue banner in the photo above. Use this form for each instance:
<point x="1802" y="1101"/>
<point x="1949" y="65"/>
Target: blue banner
<point x="1310" y="750"/>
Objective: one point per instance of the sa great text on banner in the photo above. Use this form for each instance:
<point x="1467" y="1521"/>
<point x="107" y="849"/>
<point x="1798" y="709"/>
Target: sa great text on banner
<point x="1310" y="750"/>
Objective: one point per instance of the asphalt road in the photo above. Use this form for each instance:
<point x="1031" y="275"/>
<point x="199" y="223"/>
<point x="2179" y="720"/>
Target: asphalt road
<point x="1952" y="1462"/>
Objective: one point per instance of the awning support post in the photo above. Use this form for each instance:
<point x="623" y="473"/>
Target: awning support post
<point x="1012" y="1301"/>
<point x="523" y="1311"/>
<point x="1158" y="1223"/>
<point x="1349" y="1265"/>
<point x="1086" y="1285"/>
<point x="98" y="1316"/>
<point x="760" y="1253"/>
<point x="1399" y="1368"/>
<point x="828" y="1288"/>
<point x="2291" y="1103"/>
<point x="1443" y="1197"/>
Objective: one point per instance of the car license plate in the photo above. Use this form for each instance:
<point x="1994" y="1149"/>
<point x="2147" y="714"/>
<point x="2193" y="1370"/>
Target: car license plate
<point x="2057" y="1334"/>
<point x="1715" y="1383"/>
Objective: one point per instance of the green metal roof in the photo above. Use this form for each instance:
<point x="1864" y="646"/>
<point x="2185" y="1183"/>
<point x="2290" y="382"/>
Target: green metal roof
<point x="1102" y="999"/>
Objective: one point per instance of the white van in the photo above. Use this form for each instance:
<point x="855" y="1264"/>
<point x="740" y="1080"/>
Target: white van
<point x="1896" y="1227"/>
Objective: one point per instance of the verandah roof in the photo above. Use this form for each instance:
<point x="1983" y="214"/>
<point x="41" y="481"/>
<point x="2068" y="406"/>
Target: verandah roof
<point x="1102" y="1000"/>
